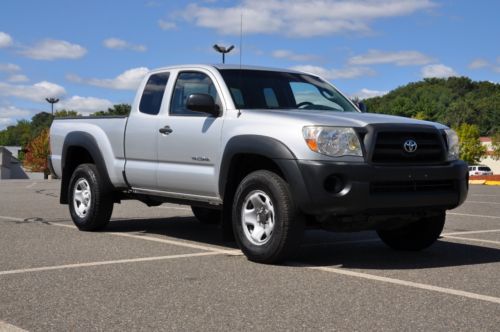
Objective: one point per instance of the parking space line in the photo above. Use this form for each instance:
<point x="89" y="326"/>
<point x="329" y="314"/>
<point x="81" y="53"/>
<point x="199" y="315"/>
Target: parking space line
<point x="119" y="261"/>
<point x="172" y="242"/>
<point x="472" y="240"/>
<point x="6" y="327"/>
<point x="472" y="215"/>
<point x="174" y="208"/>
<point x="412" y="284"/>
<point x="471" y="232"/>
<point x="11" y="218"/>
<point x="478" y="202"/>
<point x="486" y="195"/>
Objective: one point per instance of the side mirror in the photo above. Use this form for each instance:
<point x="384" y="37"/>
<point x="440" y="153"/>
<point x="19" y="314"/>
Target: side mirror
<point x="362" y="106"/>
<point x="203" y="103"/>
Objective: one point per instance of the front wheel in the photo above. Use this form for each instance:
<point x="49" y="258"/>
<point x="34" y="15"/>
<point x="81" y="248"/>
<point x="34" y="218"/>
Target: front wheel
<point x="266" y="223"/>
<point x="415" y="236"/>
<point x="90" y="204"/>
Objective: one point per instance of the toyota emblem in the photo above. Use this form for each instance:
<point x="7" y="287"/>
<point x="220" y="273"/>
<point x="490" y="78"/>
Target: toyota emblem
<point x="410" y="146"/>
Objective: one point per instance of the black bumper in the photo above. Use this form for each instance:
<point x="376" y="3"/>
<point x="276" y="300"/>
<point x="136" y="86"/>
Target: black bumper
<point x="339" y="189"/>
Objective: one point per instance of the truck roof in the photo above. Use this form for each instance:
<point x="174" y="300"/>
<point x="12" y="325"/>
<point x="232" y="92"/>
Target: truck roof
<point x="225" y="66"/>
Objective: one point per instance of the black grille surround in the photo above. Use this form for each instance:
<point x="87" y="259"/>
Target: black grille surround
<point x="386" y="145"/>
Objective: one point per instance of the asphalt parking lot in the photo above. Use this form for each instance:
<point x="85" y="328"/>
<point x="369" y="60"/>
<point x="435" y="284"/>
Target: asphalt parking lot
<point x="159" y="269"/>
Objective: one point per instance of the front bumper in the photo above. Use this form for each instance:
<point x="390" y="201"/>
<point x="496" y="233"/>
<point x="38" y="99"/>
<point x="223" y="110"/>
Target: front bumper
<point x="346" y="189"/>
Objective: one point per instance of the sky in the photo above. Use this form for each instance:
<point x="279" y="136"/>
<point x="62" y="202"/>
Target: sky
<point x="92" y="54"/>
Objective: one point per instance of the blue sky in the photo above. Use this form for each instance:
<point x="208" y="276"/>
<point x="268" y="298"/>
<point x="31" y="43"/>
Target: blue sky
<point x="92" y="54"/>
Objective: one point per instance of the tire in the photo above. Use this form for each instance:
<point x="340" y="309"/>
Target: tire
<point x="90" y="203"/>
<point x="272" y="231"/>
<point x="415" y="236"/>
<point x="207" y="216"/>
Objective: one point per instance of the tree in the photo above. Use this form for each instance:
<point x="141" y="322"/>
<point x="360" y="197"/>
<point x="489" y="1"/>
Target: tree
<point x="471" y="150"/>
<point x="118" y="109"/>
<point x="37" y="152"/>
<point x="65" y="114"/>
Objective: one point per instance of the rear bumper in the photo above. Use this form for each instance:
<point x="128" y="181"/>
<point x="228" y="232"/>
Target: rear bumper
<point x="340" y="189"/>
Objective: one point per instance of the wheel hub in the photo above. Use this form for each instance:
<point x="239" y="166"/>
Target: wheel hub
<point x="257" y="217"/>
<point x="82" y="197"/>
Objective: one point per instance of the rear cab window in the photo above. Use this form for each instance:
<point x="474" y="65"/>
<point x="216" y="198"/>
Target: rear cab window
<point x="152" y="96"/>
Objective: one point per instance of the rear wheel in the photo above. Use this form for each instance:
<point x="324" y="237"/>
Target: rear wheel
<point x="207" y="216"/>
<point x="415" y="236"/>
<point x="266" y="223"/>
<point x="90" y="204"/>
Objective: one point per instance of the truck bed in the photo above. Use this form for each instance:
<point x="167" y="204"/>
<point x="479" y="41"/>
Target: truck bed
<point x="108" y="132"/>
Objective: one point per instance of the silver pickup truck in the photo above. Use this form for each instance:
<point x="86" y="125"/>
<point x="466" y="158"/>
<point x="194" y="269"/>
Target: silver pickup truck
<point x="264" y="152"/>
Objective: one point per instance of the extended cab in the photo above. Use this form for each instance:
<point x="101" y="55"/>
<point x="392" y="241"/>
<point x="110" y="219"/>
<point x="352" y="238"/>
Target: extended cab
<point x="263" y="151"/>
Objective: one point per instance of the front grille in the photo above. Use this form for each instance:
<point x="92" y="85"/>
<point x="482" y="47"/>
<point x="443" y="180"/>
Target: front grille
<point x="412" y="186"/>
<point x="389" y="147"/>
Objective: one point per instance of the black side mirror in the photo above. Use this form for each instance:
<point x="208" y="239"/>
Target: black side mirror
<point x="203" y="103"/>
<point x="362" y="106"/>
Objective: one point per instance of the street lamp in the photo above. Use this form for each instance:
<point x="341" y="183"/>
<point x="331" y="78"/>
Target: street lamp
<point x="52" y="101"/>
<point x="223" y="50"/>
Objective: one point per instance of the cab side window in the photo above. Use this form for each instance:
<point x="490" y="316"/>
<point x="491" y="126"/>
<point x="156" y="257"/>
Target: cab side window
<point x="188" y="83"/>
<point x="153" y="93"/>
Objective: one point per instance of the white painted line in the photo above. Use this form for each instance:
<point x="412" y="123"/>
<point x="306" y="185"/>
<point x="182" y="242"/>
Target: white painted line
<point x="478" y="202"/>
<point x="120" y="261"/>
<point x="172" y="242"/>
<point x="11" y="218"/>
<point x="472" y="215"/>
<point x="471" y="232"/>
<point x="472" y="240"/>
<point x="394" y="281"/>
<point x="173" y="208"/>
<point x="486" y="195"/>
<point x="6" y="327"/>
<point x="31" y="185"/>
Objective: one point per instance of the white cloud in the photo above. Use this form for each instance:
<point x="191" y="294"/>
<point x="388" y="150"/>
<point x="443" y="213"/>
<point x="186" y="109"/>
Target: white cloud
<point x="9" y="113"/>
<point x="367" y="93"/>
<point x="166" y="25"/>
<point x="300" y="18"/>
<point x="84" y="105"/>
<point x="438" y="71"/>
<point x="286" y="54"/>
<point x="479" y="63"/>
<point x="5" y="40"/>
<point x="333" y="74"/>
<point x="18" y="78"/>
<point x="9" y="67"/>
<point x="128" y="80"/>
<point x="120" y="44"/>
<point x="36" y="92"/>
<point x="50" y="49"/>
<point x="401" y="58"/>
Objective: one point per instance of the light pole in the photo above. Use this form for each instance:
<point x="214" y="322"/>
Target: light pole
<point x="223" y="50"/>
<point x="52" y="101"/>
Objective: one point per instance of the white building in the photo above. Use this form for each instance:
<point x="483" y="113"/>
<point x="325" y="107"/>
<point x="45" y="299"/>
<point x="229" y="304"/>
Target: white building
<point x="488" y="160"/>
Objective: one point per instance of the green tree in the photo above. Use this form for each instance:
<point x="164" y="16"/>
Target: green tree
<point x="65" y="113"/>
<point x="118" y="109"/>
<point x="471" y="150"/>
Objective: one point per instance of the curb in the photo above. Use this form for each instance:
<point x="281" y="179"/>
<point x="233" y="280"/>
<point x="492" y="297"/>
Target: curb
<point x="485" y="182"/>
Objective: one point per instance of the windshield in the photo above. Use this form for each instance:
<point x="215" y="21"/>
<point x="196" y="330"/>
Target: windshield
<point x="261" y="89"/>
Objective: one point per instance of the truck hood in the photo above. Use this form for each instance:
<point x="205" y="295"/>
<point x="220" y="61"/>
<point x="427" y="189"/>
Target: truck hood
<point x="342" y="119"/>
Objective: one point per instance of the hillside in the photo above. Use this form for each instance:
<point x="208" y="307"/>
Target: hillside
<point x="450" y="101"/>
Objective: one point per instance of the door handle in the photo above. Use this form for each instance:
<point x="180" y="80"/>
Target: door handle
<point x="166" y="130"/>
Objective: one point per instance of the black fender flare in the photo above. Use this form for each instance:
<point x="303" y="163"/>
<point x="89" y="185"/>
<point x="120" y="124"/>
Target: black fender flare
<point x="270" y="148"/>
<point x="86" y="141"/>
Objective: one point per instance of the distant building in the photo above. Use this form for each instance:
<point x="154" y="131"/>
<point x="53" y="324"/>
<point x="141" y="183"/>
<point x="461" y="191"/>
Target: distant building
<point x="488" y="160"/>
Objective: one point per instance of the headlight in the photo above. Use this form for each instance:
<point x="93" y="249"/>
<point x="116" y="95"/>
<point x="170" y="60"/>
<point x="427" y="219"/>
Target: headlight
<point x="453" y="146"/>
<point x="332" y="141"/>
